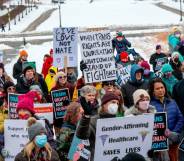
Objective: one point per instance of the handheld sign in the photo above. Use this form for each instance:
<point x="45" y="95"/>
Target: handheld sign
<point x="115" y="137"/>
<point x="12" y="105"/>
<point x="60" y="99"/>
<point x="65" y="43"/>
<point x="16" y="137"/>
<point x="97" y="53"/>
<point x="44" y="111"/>
<point x="160" y="141"/>
<point x="30" y="63"/>
<point x="123" y="74"/>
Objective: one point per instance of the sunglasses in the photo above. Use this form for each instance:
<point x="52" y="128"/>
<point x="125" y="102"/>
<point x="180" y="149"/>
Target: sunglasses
<point x="109" y="84"/>
<point x="62" y="77"/>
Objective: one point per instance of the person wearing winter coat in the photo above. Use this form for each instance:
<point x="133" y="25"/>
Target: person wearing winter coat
<point x="148" y="74"/>
<point x="88" y="95"/>
<point x="120" y="43"/>
<point x="47" y="63"/>
<point x="158" y="59"/>
<point x="141" y="104"/>
<point x="174" y="40"/>
<point x="64" y="137"/>
<point x="38" y="147"/>
<point x="175" y="120"/>
<point x="29" y="78"/>
<point x="39" y="97"/>
<point x="25" y="110"/>
<point x="17" y="68"/>
<point x="3" y="76"/>
<point x="136" y="82"/>
<point x="50" y="77"/>
<point x="168" y="78"/>
<point x="133" y="157"/>
<point x="87" y="124"/>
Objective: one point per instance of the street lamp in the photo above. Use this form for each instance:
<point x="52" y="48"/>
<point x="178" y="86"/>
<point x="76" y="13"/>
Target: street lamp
<point x="181" y="11"/>
<point x="59" y="4"/>
<point x="15" y="15"/>
<point x="19" y="13"/>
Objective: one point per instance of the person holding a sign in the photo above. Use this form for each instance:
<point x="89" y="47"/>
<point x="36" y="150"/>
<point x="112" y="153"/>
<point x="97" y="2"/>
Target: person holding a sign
<point x="136" y="82"/>
<point x="61" y="83"/>
<point x="141" y="104"/>
<point x="38" y="148"/>
<point x="162" y="103"/>
<point x="87" y="125"/>
<point x="17" y="68"/>
<point x="25" y="110"/>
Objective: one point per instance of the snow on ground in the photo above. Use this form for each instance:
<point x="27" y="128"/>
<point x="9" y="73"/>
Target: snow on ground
<point x="5" y="47"/>
<point x="173" y="4"/>
<point x="81" y="13"/>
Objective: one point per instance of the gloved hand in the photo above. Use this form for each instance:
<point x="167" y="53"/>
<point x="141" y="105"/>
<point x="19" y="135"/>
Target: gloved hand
<point x="86" y="106"/>
<point x="82" y="65"/>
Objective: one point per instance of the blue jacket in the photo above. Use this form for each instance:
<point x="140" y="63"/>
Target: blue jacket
<point x="175" y="119"/>
<point x="173" y="42"/>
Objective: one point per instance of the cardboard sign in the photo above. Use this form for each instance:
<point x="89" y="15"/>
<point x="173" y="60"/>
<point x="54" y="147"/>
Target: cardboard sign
<point x="115" y="137"/>
<point x="16" y="137"/>
<point x="160" y="141"/>
<point x="79" y="150"/>
<point x="30" y="63"/>
<point x="123" y="74"/>
<point x="12" y="105"/>
<point x="97" y="53"/>
<point x="60" y="99"/>
<point x="65" y="44"/>
<point x="44" y="111"/>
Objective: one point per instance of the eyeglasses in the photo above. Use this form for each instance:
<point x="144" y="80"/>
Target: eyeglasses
<point x="11" y="88"/>
<point x="62" y="77"/>
<point x="109" y="83"/>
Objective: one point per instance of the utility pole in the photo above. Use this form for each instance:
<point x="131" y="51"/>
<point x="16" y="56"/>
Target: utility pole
<point x="59" y="13"/>
<point x="181" y="11"/>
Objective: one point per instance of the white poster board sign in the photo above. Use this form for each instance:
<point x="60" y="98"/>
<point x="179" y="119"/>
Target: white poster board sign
<point x="115" y="137"/>
<point x="65" y="44"/>
<point x="97" y="53"/>
<point x="44" y="111"/>
<point x="16" y="136"/>
<point x="124" y="74"/>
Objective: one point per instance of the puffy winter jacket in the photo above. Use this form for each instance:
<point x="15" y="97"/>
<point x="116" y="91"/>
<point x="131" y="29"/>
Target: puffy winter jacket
<point x="50" y="78"/>
<point x="174" y="117"/>
<point x="17" y="69"/>
<point x="46" y="65"/>
<point x="132" y="85"/>
<point x="173" y="42"/>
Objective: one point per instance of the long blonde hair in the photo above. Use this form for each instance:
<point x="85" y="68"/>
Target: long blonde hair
<point x="28" y="149"/>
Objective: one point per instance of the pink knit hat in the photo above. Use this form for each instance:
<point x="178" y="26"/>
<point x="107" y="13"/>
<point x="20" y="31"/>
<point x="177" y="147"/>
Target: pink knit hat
<point x="26" y="101"/>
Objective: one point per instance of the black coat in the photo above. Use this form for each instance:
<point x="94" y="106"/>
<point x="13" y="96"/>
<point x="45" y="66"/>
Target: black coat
<point x="176" y="69"/>
<point x="23" y="85"/>
<point x="17" y="69"/>
<point x="156" y="58"/>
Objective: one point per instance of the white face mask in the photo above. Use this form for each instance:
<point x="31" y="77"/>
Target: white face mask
<point x="178" y="35"/>
<point x="143" y="105"/>
<point x="112" y="108"/>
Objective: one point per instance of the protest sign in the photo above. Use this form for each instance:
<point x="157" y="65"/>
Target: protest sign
<point x="65" y="44"/>
<point x="160" y="62"/>
<point x="12" y="105"/>
<point x="44" y="111"/>
<point x="16" y="136"/>
<point x="97" y="53"/>
<point x="160" y="141"/>
<point x="115" y="137"/>
<point x="79" y="149"/>
<point x="30" y="63"/>
<point x="60" y="99"/>
<point x="123" y="74"/>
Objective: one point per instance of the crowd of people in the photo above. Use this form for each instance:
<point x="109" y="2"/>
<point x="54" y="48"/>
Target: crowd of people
<point x="146" y="91"/>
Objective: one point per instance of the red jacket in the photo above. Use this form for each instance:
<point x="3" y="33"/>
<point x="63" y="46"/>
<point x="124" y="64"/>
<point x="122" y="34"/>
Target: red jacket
<point x="46" y="65"/>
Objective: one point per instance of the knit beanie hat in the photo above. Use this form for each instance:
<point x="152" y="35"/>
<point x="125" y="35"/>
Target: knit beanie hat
<point x="59" y="74"/>
<point x="35" y="128"/>
<point x="36" y="88"/>
<point x="119" y="34"/>
<point x="8" y="84"/>
<point x="158" y="47"/>
<point x="166" y="68"/>
<point x="26" y="101"/>
<point x="27" y="68"/>
<point x="133" y="157"/>
<point x="145" y="65"/>
<point x="108" y="97"/>
<point x="23" y="53"/>
<point x="124" y="56"/>
<point x="138" y="94"/>
<point x="2" y="66"/>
